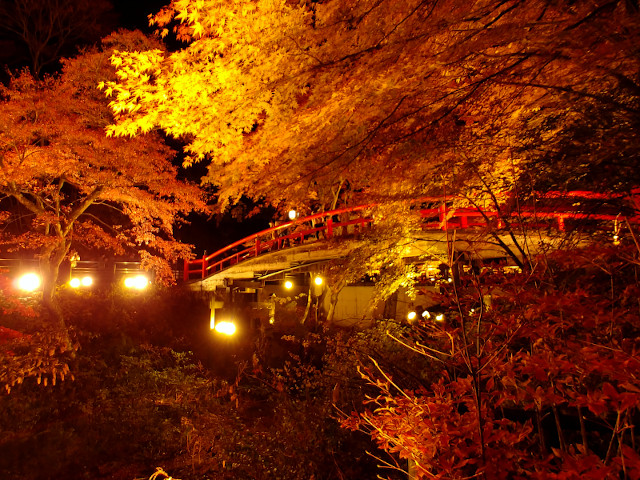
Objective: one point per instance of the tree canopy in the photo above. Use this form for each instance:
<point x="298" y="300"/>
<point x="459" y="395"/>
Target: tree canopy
<point x="290" y="101"/>
<point x="71" y="186"/>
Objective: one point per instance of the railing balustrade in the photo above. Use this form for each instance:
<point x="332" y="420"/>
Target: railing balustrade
<point x="443" y="217"/>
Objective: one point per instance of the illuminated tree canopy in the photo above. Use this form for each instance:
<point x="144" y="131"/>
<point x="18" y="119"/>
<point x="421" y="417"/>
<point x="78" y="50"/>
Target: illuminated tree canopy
<point x="290" y="101"/>
<point x="71" y="185"/>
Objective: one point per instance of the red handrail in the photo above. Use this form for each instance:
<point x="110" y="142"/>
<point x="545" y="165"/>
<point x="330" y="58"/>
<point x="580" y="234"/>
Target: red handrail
<point x="443" y="217"/>
<point x="272" y="239"/>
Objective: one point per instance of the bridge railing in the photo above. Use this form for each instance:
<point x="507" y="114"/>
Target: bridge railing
<point x="444" y="217"/>
<point x="309" y="229"/>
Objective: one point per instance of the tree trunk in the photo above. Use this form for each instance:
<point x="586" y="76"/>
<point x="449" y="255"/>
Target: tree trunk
<point x="334" y="292"/>
<point x="306" y="311"/>
<point x="50" y="266"/>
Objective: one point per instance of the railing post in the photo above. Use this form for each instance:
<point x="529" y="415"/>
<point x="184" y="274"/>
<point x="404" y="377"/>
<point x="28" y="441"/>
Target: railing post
<point x="561" y="223"/>
<point x="185" y="266"/>
<point x="204" y="266"/>
<point x="329" y="227"/>
<point x="257" y="246"/>
<point x="464" y="220"/>
<point x="442" y="214"/>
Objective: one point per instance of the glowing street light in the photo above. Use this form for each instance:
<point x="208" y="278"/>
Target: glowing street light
<point x="318" y="280"/>
<point x="292" y="214"/>
<point x="74" y="282"/>
<point x="288" y="284"/>
<point x="29" y="282"/>
<point x="411" y="315"/>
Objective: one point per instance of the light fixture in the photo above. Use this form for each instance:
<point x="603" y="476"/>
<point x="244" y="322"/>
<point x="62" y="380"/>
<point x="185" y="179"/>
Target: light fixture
<point x="411" y="315"/>
<point x="292" y="214"/>
<point x="318" y="280"/>
<point x="426" y="314"/>
<point x="76" y="282"/>
<point x="288" y="284"/>
<point x="440" y="317"/>
<point x="29" y="282"/>
<point x="226" y="328"/>
<point x="139" y="282"/>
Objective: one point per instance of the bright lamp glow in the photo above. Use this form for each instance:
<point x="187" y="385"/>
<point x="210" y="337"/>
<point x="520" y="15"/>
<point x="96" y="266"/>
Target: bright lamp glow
<point x="318" y="281"/>
<point x="292" y="214"/>
<point x="440" y="317"/>
<point x="139" y="282"/>
<point x="288" y="284"/>
<point x="29" y="282"/>
<point x="78" y="282"/>
<point x="411" y="315"/>
<point x="227" y="328"/>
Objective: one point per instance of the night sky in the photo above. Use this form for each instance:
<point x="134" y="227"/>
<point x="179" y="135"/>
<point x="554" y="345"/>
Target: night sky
<point x="125" y="14"/>
<point x="134" y="14"/>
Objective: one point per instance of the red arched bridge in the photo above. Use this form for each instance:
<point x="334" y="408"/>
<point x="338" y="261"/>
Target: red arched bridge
<point x="549" y="210"/>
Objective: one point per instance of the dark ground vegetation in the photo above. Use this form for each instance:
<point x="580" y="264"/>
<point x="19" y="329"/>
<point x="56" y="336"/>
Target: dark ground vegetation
<point x="544" y="378"/>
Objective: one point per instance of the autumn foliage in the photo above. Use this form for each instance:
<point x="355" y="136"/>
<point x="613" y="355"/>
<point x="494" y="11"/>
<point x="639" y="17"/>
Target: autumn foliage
<point x="542" y="382"/>
<point x="316" y="104"/>
<point x="69" y="187"/>
<point x="288" y="101"/>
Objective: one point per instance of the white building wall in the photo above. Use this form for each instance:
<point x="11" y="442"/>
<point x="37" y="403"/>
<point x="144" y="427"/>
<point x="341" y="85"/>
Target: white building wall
<point x="354" y="306"/>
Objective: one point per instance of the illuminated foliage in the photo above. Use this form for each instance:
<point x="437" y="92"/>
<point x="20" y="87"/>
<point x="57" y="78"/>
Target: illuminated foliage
<point x="71" y="185"/>
<point x="289" y="101"/>
<point x="540" y="382"/>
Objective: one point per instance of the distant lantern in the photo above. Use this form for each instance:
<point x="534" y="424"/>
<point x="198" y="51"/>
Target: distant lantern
<point x="292" y="214"/>
<point x="318" y="280"/>
<point x="288" y="284"/>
